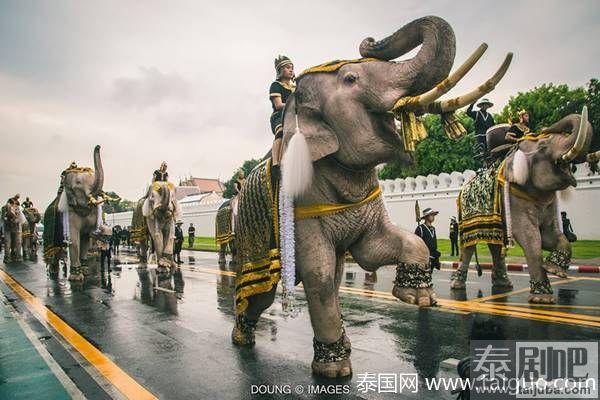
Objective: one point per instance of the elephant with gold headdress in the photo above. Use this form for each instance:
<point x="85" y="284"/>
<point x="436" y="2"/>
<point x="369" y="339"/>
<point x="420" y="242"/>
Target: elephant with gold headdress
<point x="12" y="221"/>
<point x="339" y="125"/>
<point x="154" y="223"/>
<point x="521" y="192"/>
<point x="30" y="236"/>
<point x="73" y="215"/>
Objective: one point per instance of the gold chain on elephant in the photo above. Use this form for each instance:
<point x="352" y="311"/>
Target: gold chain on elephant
<point x="560" y="258"/>
<point x="332" y="352"/>
<point x="540" y="287"/>
<point x="413" y="276"/>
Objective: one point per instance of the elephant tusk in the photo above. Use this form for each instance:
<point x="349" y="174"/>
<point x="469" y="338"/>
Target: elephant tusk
<point x="593" y="157"/>
<point x="574" y="151"/>
<point x="445" y="106"/>
<point x="451" y="81"/>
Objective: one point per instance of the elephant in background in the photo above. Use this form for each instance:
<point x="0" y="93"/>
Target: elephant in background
<point x="155" y="216"/>
<point x="30" y="236"/>
<point x="73" y="216"/>
<point x="535" y="171"/>
<point x="345" y="130"/>
<point x="12" y="221"/>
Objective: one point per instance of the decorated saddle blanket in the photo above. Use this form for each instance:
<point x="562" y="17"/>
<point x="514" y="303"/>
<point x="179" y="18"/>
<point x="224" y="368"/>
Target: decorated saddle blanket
<point x="53" y="232"/>
<point x="257" y="236"/>
<point x="139" y="232"/>
<point x="480" y="209"/>
<point x="224" y="224"/>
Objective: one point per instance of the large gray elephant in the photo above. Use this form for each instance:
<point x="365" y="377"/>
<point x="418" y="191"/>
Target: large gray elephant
<point x="342" y="110"/>
<point x="30" y="236"/>
<point x="12" y="220"/>
<point x="534" y="171"/>
<point x="73" y="216"/>
<point x="154" y="219"/>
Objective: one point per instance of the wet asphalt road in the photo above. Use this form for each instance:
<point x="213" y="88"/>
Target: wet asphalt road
<point x="173" y="336"/>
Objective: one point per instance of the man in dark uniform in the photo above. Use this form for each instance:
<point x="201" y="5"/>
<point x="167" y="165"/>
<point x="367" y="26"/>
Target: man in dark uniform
<point x="27" y="203"/>
<point x="191" y="235"/>
<point x="567" y="228"/>
<point x="426" y="231"/>
<point x="178" y="242"/>
<point x="453" y="236"/>
<point x="483" y="121"/>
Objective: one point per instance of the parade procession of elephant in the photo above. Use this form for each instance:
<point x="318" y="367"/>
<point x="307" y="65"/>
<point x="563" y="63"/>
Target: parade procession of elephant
<point x="298" y="222"/>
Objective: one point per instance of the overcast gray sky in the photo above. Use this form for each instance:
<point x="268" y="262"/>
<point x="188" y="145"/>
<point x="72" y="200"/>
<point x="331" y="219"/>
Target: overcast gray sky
<point x="187" y="82"/>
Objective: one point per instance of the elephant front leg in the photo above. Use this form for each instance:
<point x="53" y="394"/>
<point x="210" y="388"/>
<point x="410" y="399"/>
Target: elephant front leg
<point x="554" y="241"/>
<point x="75" y="273"/>
<point x="386" y="244"/>
<point x="222" y="252"/>
<point x="530" y="239"/>
<point x="7" y="247"/>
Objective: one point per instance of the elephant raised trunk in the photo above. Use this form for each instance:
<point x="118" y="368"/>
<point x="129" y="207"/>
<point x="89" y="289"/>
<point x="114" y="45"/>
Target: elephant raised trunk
<point x="576" y="148"/>
<point x="165" y="197"/>
<point x="437" y="52"/>
<point x="99" y="172"/>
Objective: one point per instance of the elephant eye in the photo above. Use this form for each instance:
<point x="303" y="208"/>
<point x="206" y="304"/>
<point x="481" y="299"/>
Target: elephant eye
<point x="350" y="77"/>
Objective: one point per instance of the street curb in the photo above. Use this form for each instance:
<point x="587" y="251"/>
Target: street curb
<point x="583" y="269"/>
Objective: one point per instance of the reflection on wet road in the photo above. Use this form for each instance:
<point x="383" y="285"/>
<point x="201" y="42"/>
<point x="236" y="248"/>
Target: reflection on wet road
<point x="170" y="332"/>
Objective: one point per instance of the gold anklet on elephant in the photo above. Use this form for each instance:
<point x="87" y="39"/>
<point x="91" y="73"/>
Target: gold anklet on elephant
<point x="459" y="275"/>
<point x="560" y="260"/>
<point x="540" y="287"/>
<point x="332" y="352"/>
<point x="243" y="331"/>
<point x="413" y="276"/>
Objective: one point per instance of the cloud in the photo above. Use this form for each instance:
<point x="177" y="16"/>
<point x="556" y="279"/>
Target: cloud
<point x="149" y="89"/>
<point x="187" y="82"/>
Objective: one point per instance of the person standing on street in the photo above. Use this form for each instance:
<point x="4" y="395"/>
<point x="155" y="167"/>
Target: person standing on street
<point x="191" y="235"/>
<point x="178" y="242"/>
<point x="453" y="237"/>
<point x="426" y="231"/>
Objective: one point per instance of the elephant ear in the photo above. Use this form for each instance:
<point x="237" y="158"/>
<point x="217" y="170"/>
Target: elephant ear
<point x="320" y="138"/>
<point x="146" y="207"/>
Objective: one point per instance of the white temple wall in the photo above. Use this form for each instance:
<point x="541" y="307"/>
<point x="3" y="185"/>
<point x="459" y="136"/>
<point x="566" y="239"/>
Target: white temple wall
<point x="436" y="191"/>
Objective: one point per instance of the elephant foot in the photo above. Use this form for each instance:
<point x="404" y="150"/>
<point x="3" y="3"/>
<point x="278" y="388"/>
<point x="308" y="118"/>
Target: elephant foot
<point x="502" y="281"/>
<point x="338" y="369"/>
<point x="458" y="279"/>
<point x="541" y="298"/>
<point x="557" y="263"/>
<point x="458" y="284"/>
<point x="541" y="292"/>
<point x="413" y="285"/>
<point x="243" y="332"/>
<point x="332" y="360"/>
<point x="76" y="277"/>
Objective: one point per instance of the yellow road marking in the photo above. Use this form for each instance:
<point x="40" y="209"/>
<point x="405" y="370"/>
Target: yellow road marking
<point x="474" y="305"/>
<point x="128" y="386"/>
<point x="544" y="305"/>
<point x="510" y="293"/>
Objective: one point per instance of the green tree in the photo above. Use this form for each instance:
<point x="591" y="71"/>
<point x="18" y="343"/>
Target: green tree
<point x="593" y="102"/>
<point x="246" y="167"/>
<point x="438" y="153"/>
<point x="546" y="104"/>
<point x="117" y="206"/>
